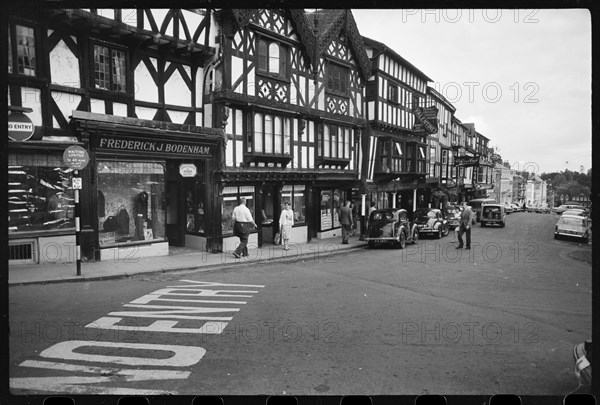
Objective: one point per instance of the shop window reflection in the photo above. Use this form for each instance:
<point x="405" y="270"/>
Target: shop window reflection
<point x="130" y="202"/>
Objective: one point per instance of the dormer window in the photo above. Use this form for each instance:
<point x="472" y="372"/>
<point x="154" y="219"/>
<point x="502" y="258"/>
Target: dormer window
<point x="272" y="58"/>
<point x="337" y="78"/>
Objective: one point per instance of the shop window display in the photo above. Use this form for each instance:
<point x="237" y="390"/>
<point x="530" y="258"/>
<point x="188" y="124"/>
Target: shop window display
<point x="130" y="202"/>
<point x="231" y="196"/>
<point x="39" y="194"/>
<point x="331" y="202"/>
<point x="195" y="209"/>
<point x="295" y="195"/>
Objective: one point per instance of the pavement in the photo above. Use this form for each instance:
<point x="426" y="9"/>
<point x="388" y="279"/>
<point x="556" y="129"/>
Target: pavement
<point x="178" y="259"/>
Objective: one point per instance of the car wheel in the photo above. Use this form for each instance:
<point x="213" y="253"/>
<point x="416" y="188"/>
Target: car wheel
<point x="502" y="224"/>
<point x="415" y="236"/>
<point x="371" y="244"/>
<point x="402" y="241"/>
<point x="555" y="236"/>
<point x="584" y="239"/>
<point x="446" y="231"/>
<point x="483" y="224"/>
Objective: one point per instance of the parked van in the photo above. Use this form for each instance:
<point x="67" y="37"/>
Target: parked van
<point x="493" y="214"/>
<point x="476" y="205"/>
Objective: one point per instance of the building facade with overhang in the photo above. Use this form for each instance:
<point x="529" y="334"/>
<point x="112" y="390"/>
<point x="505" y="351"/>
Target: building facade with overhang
<point x="287" y="86"/>
<point x="127" y="86"/>
<point x="399" y="124"/>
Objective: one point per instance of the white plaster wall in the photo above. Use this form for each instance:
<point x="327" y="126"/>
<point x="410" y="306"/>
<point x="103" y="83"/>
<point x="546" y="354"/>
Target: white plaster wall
<point x="237" y="69"/>
<point x="30" y="97"/>
<point x="177" y="92"/>
<point x="97" y="106"/>
<point x="145" y="88"/>
<point x="64" y="66"/>
<point x="120" y="109"/>
<point x="178" y="117"/>
<point x="66" y="102"/>
<point x="145" y="113"/>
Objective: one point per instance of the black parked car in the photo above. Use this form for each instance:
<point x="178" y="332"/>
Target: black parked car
<point x="431" y="222"/>
<point x="391" y="226"/>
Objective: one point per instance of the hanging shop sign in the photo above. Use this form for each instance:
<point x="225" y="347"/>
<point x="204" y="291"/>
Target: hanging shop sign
<point x="76" y="157"/>
<point x="188" y="170"/>
<point x="154" y="146"/>
<point x="20" y="127"/>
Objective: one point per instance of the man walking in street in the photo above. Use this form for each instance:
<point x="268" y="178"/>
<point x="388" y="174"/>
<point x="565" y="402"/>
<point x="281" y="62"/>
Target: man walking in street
<point x="242" y="218"/>
<point x="346" y="221"/>
<point x="466" y="220"/>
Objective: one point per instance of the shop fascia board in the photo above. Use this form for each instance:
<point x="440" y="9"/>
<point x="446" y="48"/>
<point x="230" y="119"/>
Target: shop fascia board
<point x="112" y="124"/>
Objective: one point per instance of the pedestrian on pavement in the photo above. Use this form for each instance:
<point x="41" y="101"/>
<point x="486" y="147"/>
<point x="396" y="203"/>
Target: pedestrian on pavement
<point x="242" y="218"/>
<point x="346" y="220"/>
<point x="466" y="220"/>
<point x="286" y="221"/>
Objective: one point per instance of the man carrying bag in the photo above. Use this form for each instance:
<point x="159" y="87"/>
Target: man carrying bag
<point x="242" y="218"/>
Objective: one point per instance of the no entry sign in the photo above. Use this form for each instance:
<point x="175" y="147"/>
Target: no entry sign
<point x="20" y="127"/>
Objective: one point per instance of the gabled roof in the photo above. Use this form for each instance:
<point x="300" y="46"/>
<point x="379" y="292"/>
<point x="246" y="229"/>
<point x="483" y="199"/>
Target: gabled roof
<point x="433" y="92"/>
<point x="384" y="48"/>
<point x="317" y="29"/>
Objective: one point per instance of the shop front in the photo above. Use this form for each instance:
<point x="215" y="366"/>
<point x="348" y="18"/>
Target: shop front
<point x="41" y="204"/>
<point x="265" y="200"/>
<point x="150" y="186"/>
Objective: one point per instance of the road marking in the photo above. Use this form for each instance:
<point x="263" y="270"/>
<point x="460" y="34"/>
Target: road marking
<point x="129" y="374"/>
<point x="109" y="322"/>
<point x="204" y="293"/>
<point x="77" y="385"/>
<point x="211" y="284"/>
<point x="184" y="356"/>
<point x="155" y="297"/>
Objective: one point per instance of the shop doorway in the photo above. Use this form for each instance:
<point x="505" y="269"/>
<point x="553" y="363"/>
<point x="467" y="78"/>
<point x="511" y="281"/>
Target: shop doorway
<point x="175" y="226"/>
<point x="269" y="213"/>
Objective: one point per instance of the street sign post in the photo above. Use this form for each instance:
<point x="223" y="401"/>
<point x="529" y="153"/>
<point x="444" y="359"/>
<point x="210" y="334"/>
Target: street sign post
<point x="77" y="159"/>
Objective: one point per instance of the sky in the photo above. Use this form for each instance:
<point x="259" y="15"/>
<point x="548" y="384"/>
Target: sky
<point x="522" y="76"/>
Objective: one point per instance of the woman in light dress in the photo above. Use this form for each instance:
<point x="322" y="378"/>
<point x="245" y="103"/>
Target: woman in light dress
<point x="286" y="221"/>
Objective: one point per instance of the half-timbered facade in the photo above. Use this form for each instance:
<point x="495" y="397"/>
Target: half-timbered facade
<point x="395" y="163"/>
<point x="127" y="85"/>
<point x="287" y="87"/>
<point x="440" y="143"/>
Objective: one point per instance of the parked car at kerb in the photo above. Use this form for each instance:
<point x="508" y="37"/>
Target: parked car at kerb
<point x="391" y="226"/>
<point x="573" y="226"/>
<point x="493" y="214"/>
<point x="453" y="216"/>
<point x="516" y="207"/>
<point x="431" y="222"/>
<point x="581" y="213"/>
<point x="564" y="207"/>
<point x="508" y="208"/>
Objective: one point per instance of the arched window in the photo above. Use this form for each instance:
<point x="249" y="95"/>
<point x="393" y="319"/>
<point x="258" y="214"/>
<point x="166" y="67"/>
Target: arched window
<point x="274" y="58"/>
<point x="258" y="133"/>
<point x="263" y="55"/>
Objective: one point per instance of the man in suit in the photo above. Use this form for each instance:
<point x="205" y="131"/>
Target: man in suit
<point x="346" y="221"/>
<point x="466" y="220"/>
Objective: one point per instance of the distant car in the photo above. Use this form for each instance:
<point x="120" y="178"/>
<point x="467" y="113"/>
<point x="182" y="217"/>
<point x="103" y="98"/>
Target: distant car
<point x="431" y="222"/>
<point x="516" y="207"/>
<point x="452" y="216"/>
<point x="508" y="208"/>
<point x="573" y="226"/>
<point x="391" y="226"/>
<point x="564" y="207"/>
<point x="476" y="205"/>
<point x="493" y="214"/>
